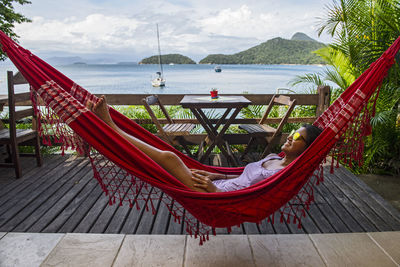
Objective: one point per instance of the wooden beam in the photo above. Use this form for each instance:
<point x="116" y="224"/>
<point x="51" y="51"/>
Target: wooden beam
<point x="174" y="99"/>
<point x="235" y="121"/>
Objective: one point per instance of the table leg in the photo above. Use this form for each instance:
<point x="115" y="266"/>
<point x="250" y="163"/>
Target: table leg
<point x="214" y="136"/>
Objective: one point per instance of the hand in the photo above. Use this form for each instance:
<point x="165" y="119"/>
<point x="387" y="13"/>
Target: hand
<point x="209" y="175"/>
<point x="202" y="181"/>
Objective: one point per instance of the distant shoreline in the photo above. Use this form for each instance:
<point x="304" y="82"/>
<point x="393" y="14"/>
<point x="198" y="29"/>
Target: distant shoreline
<point x="221" y="64"/>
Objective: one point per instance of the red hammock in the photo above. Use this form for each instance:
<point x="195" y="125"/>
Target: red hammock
<point x="124" y="172"/>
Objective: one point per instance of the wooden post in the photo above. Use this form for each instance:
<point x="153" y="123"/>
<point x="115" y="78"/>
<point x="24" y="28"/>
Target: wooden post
<point x="324" y="98"/>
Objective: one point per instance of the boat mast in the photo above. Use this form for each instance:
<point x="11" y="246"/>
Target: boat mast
<point x="159" y="52"/>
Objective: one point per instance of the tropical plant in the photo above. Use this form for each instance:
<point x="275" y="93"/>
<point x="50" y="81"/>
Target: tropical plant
<point x="8" y="19"/>
<point x="362" y="30"/>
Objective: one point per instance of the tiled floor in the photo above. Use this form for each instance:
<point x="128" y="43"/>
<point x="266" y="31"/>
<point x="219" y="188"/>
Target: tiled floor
<point x="349" y="249"/>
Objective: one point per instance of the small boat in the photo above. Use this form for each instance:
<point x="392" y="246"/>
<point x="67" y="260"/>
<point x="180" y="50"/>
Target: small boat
<point x="159" y="81"/>
<point x="218" y="69"/>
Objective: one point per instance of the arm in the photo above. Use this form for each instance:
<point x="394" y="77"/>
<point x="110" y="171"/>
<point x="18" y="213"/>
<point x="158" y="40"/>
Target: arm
<point x="212" y="176"/>
<point x="204" y="183"/>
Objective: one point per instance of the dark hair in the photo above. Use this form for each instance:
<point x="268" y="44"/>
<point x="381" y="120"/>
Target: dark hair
<point x="312" y="133"/>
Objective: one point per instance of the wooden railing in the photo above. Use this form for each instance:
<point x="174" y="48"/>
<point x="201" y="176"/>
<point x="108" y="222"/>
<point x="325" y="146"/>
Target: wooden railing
<point x="321" y="100"/>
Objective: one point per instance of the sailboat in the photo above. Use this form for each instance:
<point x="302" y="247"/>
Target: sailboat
<point x="159" y="81"/>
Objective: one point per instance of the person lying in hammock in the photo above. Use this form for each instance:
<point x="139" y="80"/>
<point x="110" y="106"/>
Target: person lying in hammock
<point x="203" y="181"/>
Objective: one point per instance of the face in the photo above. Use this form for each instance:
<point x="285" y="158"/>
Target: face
<point x="296" y="143"/>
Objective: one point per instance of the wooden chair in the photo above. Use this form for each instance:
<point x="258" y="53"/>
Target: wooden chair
<point x="14" y="137"/>
<point x="171" y="132"/>
<point x="265" y="133"/>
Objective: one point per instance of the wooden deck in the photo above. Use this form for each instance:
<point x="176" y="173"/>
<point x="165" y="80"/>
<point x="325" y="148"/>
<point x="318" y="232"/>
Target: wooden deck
<point x="63" y="197"/>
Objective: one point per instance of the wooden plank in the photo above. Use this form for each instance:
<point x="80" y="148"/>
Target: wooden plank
<point x="319" y="220"/>
<point x="104" y="218"/>
<point x="250" y="228"/>
<point x="80" y="212"/>
<point x="372" y="198"/>
<point x="280" y="226"/>
<point x="161" y="218"/>
<point x="243" y="121"/>
<point x="84" y="210"/>
<point x="237" y="230"/>
<point x="389" y="242"/>
<point x="27" y="195"/>
<point x="174" y="99"/>
<point x="284" y="250"/>
<point x="354" y="249"/>
<point x="36" y="209"/>
<point x="146" y="223"/>
<point x="174" y="226"/>
<point x="294" y="227"/>
<point x="70" y="202"/>
<point x="20" y="114"/>
<point x="338" y="215"/>
<point x="331" y="215"/>
<point x="363" y="224"/>
<point x="155" y="250"/>
<point x="266" y="227"/>
<point x="307" y="225"/>
<point x="12" y="188"/>
<point x="369" y="213"/>
<point x="136" y="212"/>
<point x="7" y="175"/>
<point x="118" y="219"/>
<point x="89" y="220"/>
<point x="224" y="250"/>
<point x="108" y="213"/>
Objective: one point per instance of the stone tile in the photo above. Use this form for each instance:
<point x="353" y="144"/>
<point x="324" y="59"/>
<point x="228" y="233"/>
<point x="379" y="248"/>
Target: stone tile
<point x="222" y="250"/>
<point x="352" y="249"/>
<point x="389" y="242"/>
<point x="26" y="249"/>
<point x="2" y="234"/>
<point x="284" y="250"/>
<point x="151" y="250"/>
<point x="85" y="250"/>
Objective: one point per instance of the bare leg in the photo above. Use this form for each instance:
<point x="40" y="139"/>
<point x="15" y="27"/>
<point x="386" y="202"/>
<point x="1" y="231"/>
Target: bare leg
<point x="166" y="159"/>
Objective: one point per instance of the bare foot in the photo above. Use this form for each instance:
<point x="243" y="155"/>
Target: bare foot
<point x="101" y="110"/>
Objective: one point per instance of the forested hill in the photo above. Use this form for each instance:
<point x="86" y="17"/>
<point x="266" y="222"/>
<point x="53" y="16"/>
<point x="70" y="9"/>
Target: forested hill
<point x="167" y="59"/>
<point x="274" y="51"/>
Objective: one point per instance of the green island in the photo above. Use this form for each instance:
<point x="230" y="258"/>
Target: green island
<point x="297" y="50"/>
<point x="168" y="59"/>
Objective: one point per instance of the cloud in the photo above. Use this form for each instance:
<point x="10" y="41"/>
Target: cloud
<point x="96" y="32"/>
<point x="192" y="28"/>
<point x="247" y="23"/>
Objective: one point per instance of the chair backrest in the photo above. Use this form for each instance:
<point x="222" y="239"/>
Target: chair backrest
<point x="280" y="100"/>
<point x="15" y="99"/>
<point x="154" y="100"/>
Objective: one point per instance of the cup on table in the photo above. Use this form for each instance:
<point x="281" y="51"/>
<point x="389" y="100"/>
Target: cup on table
<point x="214" y="93"/>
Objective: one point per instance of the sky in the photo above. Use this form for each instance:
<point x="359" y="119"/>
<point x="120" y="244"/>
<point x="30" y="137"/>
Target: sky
<point x="112" y="31"/>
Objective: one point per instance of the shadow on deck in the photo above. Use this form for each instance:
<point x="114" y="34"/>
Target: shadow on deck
<point x="63" y="197"/>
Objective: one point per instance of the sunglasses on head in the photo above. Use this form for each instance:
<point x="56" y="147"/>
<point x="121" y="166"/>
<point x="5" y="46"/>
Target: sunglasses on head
<point x="296" y="135"/>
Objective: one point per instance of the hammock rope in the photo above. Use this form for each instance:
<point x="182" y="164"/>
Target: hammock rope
<point x="127" y="175"/>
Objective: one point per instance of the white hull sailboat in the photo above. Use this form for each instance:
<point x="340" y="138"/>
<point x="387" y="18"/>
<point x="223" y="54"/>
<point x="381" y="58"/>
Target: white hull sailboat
<point x="159" y="81"/>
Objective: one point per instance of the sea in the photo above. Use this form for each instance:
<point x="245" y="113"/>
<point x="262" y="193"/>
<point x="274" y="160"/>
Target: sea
<point x="180" y="79"/>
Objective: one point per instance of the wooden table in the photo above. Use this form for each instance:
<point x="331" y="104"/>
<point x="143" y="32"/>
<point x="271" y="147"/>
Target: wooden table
<point x="196" y="103"/>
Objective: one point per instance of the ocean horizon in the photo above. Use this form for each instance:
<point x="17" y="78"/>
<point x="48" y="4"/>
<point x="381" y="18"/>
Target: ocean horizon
<point x="180" y="78"/>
